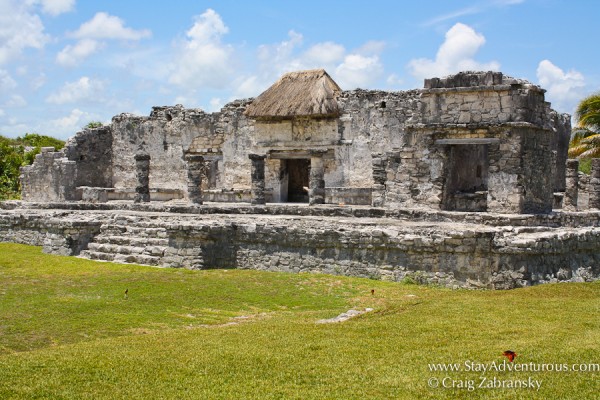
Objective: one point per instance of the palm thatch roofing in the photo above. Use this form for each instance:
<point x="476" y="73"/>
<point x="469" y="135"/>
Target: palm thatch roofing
<point x="302" y="93"/>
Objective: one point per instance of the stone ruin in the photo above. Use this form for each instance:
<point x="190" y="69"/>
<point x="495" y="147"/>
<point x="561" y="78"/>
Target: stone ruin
<point x="463" y="183"/>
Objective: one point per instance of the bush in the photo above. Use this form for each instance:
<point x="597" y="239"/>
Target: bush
<point x="15" y="153"/>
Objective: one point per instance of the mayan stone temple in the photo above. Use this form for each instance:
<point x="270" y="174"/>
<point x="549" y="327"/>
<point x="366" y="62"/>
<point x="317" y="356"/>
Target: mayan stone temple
<point x="464" y="183"/>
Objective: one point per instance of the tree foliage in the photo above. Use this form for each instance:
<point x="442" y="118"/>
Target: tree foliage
<point x="585" y="140"/>
<point x="15" y="153"/>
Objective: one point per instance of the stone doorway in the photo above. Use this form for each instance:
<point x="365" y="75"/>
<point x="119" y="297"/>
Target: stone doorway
<point x="466" y="185"/>
<point x="298" y="171"/>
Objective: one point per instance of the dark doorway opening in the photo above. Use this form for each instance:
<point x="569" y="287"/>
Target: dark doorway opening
<point x="467" y="178"/>
<point x="298" y="172"/>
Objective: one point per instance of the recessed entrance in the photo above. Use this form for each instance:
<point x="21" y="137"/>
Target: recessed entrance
<point x="467" y="178"/>
<point x="297" y="185"/>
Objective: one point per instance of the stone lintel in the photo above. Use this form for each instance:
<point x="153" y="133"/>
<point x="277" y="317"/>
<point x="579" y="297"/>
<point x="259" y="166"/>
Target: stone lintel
<point x="194" y="158"/>
<point x="254" y="156"/>
<point x="299" y="154"/>
<point x="142" y="157"/>
<point x="467" y="141"/>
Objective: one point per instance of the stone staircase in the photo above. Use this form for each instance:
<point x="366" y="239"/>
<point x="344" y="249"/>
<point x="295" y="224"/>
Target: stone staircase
<point x="128" y="242"/>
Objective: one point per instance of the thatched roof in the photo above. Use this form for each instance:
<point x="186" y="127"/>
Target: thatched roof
<point x="295" y="94"/>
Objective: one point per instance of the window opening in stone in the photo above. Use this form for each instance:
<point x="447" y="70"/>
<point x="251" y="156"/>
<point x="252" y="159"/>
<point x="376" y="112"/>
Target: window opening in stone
<point x="466" y="183"/>
<point x="169" y="117"/>
<point x="298" y="175"/>
<point x="382" y="105"/>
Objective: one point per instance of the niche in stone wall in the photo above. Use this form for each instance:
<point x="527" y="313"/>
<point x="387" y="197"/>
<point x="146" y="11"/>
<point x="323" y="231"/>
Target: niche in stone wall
<point x="466" y="182"/>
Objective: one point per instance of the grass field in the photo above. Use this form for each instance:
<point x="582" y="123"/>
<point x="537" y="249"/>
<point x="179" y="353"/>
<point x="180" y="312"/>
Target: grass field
<point x="68" y="331"/>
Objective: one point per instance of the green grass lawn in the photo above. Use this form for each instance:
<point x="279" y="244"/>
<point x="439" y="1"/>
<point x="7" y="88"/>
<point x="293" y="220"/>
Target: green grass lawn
<point x="67" y="331"/>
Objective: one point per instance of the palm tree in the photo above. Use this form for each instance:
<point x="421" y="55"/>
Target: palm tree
<point x="585" y="141"/>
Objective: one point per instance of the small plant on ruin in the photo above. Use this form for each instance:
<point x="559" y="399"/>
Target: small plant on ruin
<point x="94" y="124"/>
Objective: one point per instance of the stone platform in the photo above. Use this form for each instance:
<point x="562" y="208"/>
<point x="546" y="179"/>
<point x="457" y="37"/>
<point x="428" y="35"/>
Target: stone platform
<point x="473" y="250"/>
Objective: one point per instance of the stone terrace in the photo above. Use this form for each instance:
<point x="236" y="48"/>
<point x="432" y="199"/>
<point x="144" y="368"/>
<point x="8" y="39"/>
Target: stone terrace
<point x="474" y="250"/>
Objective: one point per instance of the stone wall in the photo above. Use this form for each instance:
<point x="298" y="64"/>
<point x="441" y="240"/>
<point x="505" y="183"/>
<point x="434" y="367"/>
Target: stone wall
<point x="472" y="255"/>
<point x="52" y="177"/>
<point x="410" y="139"/>
<point x="92" y="150"/>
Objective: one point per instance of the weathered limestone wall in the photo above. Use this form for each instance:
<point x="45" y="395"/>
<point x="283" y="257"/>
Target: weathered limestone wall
<point x="171" y="132"/>
<point x="370" y="122"/>
<point x="455" y="254"/>
<point x="52" y="177"/>
<point x="398" y="146"/>
<point x="92" y="150"/>
<point x="458" y="115"/>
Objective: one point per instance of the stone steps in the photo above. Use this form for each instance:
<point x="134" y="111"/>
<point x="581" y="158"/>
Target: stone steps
<point x="129" y="241"/>
<point x="121" y="258"/>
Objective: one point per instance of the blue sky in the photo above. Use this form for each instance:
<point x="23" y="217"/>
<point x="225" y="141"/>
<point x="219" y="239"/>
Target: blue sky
<point x="64" y="63"/>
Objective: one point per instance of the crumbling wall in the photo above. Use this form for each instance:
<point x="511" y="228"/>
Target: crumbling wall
<point x="92" y="150"/>
<point x="52" y="177"/>
<point x="165" y="135"/>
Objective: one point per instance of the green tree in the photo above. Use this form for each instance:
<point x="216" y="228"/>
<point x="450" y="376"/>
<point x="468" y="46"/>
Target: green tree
<point x="15" y="153"/>
<point x="585" y="140"/>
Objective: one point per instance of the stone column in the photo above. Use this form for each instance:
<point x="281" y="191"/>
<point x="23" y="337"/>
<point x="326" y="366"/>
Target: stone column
<point x="572" y="185"/>
<point x="378" y="163"/>
<point x="195" y="169"/>
<point x="258" y="178"/>
<point x="594" y="188"/>
<point x="316" y="184"/>
<point x="142" y="167"/>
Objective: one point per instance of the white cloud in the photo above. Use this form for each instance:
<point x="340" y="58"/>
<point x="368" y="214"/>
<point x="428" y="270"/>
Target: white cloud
<point x="454" y="55"/>
<point x="2" y="112"/>
<point x="38" y="82"/>
<point x="20" y="28"/>
<point x="361" y="67"/>
<point x="83" y="89"/>
<point x="358" y="71"/>
<point x="203" y="60"/>
<point x="6" y="81"/>
<point x="56" y="7"/>
<point x="105" y="26"/>
<point x="324" y="53"/>
<point x="70" y="124"/>
<point x="564" y="89"/>
<point x="16" y="101"/>
<point x="72" y="55"/>
<point x="90" y="35"/>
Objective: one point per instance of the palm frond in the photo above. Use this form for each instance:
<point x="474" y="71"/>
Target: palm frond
<point x="576" y="151"/>
<point x="594" y="152"/>
<point x="588" y="112"/>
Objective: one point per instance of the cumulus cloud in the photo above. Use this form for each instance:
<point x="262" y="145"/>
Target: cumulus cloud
<point x="56" y="7"/>
<point x="202" y="59"/>
<point x="324" y="53"/>
<point x="83" y="89"/>
<point x="6" y="81"/>
<point x="15" y="101"/>
<point x="564" y="89"/>
<point x="69" y="124"/>
<point x="358" y="71"/>
<point x="350" y="69"/>
<point x="454" y="55"/>
<point x="105" y="26"/>
<point x="91" y="35"/>
<point x="71" y="56"/>
<point x="20" y="28"/>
